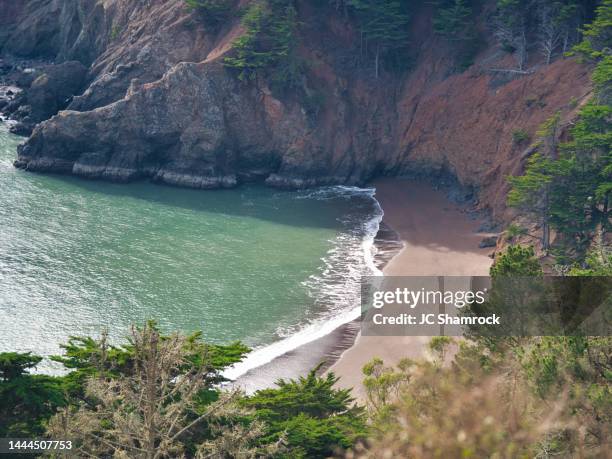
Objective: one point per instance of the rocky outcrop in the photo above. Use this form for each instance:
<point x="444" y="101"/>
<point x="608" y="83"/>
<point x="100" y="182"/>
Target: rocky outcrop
<point x="54" y="29"/>
<point x="489" y="241"/>
<point x="160" y="104"/>
<point x="51" y="91"/>
<point x="197" y="126"/>
<point x="48" y="91"/>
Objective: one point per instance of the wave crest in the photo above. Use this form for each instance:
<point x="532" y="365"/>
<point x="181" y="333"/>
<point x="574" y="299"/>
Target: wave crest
<point x="336" y="288"/>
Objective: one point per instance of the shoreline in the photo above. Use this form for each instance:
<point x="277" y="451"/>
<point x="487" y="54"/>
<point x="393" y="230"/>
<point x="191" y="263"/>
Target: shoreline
<point x="440" y="237"/>
<point x="324" y="351"/>
<point x="399" y="199"/>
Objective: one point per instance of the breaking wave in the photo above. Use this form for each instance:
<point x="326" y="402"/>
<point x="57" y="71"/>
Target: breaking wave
<point x="335" y="289"/>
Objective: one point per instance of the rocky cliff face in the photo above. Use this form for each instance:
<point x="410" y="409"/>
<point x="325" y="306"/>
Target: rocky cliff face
<point x="158" y="103"/>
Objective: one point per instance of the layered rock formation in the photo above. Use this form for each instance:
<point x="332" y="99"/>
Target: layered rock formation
<point x="159" y="103"/>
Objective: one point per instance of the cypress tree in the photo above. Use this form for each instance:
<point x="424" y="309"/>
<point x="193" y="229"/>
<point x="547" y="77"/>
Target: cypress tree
<point x="383" y="24"/>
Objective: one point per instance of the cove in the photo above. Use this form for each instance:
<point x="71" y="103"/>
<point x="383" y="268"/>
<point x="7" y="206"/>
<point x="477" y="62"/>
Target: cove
<point x="251" y="263"/>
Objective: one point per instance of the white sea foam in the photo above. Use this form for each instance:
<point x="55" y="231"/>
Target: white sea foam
<point x="336" y="288"/>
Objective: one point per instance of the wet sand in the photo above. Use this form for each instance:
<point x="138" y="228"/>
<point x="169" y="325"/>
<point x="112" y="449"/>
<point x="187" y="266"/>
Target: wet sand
<point x="440" y="238"/>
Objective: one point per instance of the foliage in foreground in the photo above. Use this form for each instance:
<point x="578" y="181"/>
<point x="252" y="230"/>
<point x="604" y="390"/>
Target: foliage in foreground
<point x="158" y="406"/>
<point x="26" y="400"/>
<point x="315" y="418"/>
<point x="508" y="397"/>
<point x="539" y="397"/>
<point x="160" y="396"/>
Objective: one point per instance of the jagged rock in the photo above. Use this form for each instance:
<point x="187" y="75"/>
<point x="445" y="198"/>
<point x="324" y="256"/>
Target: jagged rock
<point x="51" y="91"/>
<point x="160" y="104"/>
<point x="22" y="128"/>
<point x="55" y="29"/>
<point x="488" y="226"/>
<point x="198" y="127"/>
<point x="490" y="241"/>
<point x="25" y="77"/>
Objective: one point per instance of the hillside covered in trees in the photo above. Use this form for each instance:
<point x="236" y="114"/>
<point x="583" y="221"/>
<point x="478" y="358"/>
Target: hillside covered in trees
<point x="216" y="93"/>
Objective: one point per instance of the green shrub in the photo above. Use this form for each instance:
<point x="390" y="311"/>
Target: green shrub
<point x="314" y="417"/>
<point x="268" y="42"/>
<point x="519" y="136"/>
<point x="514" y="230"/>
<point x="115" y="31"/>
<point x="516" y="261"/>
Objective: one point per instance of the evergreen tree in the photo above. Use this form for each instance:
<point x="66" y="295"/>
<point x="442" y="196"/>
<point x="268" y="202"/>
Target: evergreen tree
<point x="268" y="42"/>
<point x="315" y="417"/>
<point x="511" y="28"/>
<point x="26" y="400"/>
<point x="516" y="261"/>
<point x="584" y="174"/>
<point x="568" y="185"/>
<point x="212" y="11"/>
<point x="383" y="25"/>
<point x="149" y="410"/>
<point x="453" y="20"/>
<point x="531" y="192"/>
<point x="598" y="34"/>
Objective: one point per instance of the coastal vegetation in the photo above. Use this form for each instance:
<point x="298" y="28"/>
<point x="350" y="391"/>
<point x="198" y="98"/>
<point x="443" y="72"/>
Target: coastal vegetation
<point x="508" y="396"/>
<point x="309" y="415"/>
<point x="455" y="20"/>
<point x="267" y="45"/>
<point x="551" y="27"/>
<point x="383" y="27"/>
<point x="517" y="397"/>
<point x="162" y="395"/>
<point x="212" y="11"/>
<point x="566" y="184"/>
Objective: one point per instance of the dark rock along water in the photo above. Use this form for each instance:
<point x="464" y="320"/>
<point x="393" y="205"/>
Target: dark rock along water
<point x="252" y="263"/>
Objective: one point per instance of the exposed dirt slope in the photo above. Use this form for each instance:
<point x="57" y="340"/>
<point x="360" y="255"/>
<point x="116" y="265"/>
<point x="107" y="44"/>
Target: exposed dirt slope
<point x="159" y="103"/>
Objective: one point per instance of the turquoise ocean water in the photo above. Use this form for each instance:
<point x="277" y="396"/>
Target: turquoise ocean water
<point x="272" y="268"/>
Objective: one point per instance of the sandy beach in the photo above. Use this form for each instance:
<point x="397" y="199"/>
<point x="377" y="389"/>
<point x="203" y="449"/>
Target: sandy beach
<point x="439" y="238"/>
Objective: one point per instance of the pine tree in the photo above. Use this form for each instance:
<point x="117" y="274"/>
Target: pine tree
<point x="26" y="400"/>
<point x="531" y="192"/>
<point x="598" y="34"/>
<point x="511" y="27"/>
<point x="383" y="25"/>
<point x="516" y="261"/>
<point x="584" y="174"/>
<point x="212" y="11"/>
<point x="453" y="21"/>
<point x="149" y="409"/>
<point x="268" y="42"/>
<point x="314" y="416"/>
